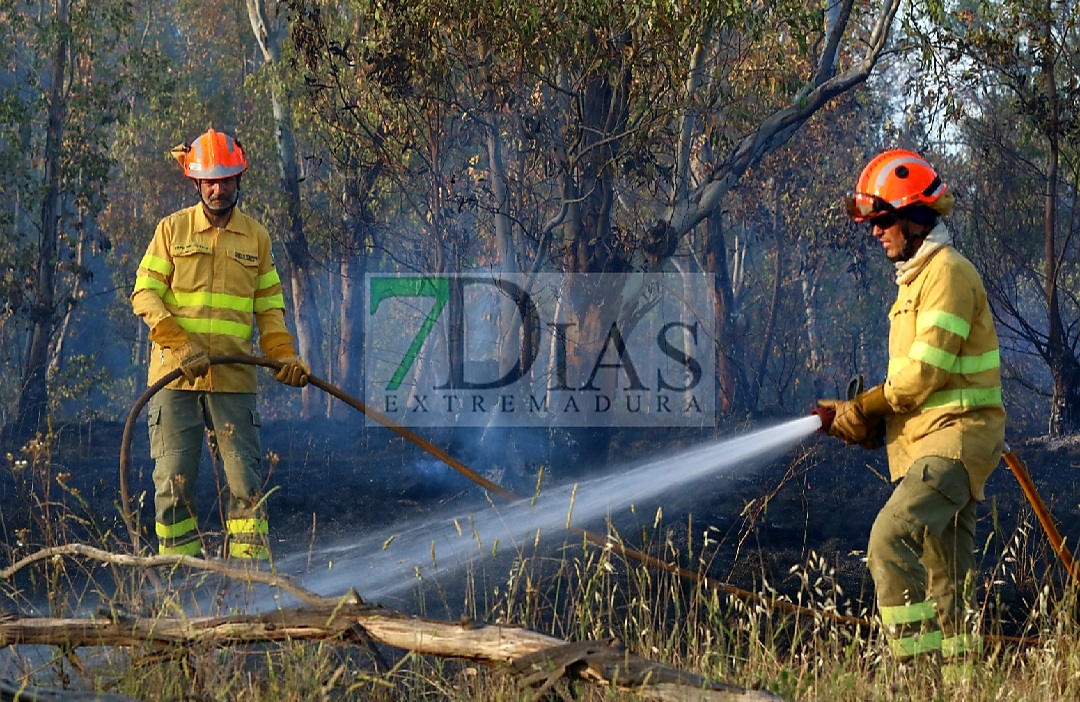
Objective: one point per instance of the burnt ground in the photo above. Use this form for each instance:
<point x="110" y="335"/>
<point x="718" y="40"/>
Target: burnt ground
<point x="338" y="481"/>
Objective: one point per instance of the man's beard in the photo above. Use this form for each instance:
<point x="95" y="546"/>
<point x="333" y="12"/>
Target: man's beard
<point x="911" y="245"/>
<point x="218" y="211"/>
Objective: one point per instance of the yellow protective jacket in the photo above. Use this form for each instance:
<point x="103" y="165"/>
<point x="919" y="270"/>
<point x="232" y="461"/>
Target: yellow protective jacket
<point x="213" y="282"/>
<point x="944" y="376"/>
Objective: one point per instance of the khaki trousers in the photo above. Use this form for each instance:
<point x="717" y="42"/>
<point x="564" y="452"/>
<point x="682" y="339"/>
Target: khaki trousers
<point x="922" y="556"/>
<point x="177" y="421"/>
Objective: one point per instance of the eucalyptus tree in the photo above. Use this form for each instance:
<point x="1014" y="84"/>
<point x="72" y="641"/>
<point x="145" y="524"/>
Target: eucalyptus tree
<point x="69" y="65"/>
<point x="820" y="55"/>
<point x="1012" y="73"/>
<point x="402" y="137"/>
<point x="271" y="32"/>
<point x="807" y="303"/>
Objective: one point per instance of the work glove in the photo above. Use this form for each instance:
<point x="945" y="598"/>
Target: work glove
<point x="860" y="420"/>
<point x="295" y="372"/>
<point x="876" y="437"/>
<point x="193" y="360"/>
<point x="168" y="334"/>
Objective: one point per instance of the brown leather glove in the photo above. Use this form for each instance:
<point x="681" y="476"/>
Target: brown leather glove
<point x="295" y="372"/>
<point x="860" y="421"/>
<point x="193" y="360"/>
<point x="168" y="334"/>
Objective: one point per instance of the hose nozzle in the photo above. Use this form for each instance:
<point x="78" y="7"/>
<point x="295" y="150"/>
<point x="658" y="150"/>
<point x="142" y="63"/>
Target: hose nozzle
<point x="826" y="415"/>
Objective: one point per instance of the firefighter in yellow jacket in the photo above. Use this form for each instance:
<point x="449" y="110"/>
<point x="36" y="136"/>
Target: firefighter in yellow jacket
<point x="939" y="413"/>
<point x="206" y="276"/>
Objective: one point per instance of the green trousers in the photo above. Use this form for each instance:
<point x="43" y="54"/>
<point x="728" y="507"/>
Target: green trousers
<point x="922" y="559"/>
<point x="178" y="420"/>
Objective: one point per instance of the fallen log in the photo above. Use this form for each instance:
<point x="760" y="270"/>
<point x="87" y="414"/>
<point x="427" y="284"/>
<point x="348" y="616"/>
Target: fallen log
<point x="532" y="656"/>
<point x="537" y="659"/>
<point x="11" y="691"/>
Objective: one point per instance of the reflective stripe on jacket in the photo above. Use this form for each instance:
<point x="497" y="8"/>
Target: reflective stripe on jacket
<point x="944" y="375"/>
<point x="214" y="282"/>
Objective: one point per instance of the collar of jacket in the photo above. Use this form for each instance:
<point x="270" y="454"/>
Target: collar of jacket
<point x="938" y="238"/>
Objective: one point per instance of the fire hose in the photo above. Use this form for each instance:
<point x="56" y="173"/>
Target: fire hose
<point x="1041" y="511"/>
<point x="131" y="519"/>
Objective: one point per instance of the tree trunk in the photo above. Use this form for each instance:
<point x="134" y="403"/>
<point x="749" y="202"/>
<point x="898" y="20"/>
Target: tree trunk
<point x="12" y="691"/>
<point x="353" y="267"/>
<point x="350" y="364"/>
<point x="56" y="359"/>
<point x="771" y="312"/>
<point x="306" y="321"/>
<point x="811" y="323"/>
<point x="604" y="112"/>
<point x="1056" y="347"/>
<point x="1064" y="366"/>
<point x="539" y="660"/>
<point x="730" y="374"/>
<point x="509" y="348"/>
<point x="536" y="659"/>
<point x="34" y="394"/>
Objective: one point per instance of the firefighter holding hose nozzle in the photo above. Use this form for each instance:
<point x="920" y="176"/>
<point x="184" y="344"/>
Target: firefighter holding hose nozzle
<point x="939" y="414"/>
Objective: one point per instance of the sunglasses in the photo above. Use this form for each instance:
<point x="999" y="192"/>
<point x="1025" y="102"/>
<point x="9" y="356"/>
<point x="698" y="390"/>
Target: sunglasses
<point x="884" y="221"/>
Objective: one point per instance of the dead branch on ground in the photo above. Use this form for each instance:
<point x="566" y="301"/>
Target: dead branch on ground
<point x="536" y="659"/>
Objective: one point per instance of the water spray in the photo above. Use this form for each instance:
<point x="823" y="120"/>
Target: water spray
<point x="451" y="542"/>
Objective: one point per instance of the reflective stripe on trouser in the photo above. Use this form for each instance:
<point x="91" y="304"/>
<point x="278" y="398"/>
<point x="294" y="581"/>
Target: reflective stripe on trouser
<point x="179" y="539"/>
<point x="912" y="628"/>
<point x="247" y="538"/>
<point x="961" y="645"/>
<point x="178" y="421"/>
<point x="922" y="549"/>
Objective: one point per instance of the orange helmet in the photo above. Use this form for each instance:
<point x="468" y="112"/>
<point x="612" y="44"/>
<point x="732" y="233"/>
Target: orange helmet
<point x="896" y="179"/>
<point x="212" y="156"/>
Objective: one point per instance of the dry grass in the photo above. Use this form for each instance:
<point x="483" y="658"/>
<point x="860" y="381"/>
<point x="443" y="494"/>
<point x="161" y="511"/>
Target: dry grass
<point x="578" y="592"/>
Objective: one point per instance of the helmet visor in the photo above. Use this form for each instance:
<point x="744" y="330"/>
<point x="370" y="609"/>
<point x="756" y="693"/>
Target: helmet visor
<point x="862" y="206"/>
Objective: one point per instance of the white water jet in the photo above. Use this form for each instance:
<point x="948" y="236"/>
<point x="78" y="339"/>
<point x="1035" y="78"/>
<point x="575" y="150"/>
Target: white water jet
<point x="393" y="560"/>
